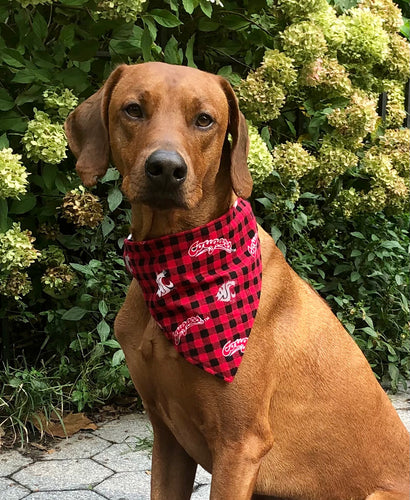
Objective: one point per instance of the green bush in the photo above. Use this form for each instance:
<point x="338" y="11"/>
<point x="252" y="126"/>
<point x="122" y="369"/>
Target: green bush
<point x="331" y="174"/>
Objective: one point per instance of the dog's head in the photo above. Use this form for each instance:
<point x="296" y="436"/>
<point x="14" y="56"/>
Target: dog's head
<point x="166" y="130"/>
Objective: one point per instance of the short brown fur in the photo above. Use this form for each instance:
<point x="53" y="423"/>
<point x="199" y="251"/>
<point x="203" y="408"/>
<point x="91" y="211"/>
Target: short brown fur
<point x="304" y="417"/>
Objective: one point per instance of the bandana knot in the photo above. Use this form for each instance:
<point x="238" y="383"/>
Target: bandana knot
<point x="202" y="287"/>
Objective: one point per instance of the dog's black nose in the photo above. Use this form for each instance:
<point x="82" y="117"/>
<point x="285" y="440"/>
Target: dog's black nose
<point x="166" y="169"/>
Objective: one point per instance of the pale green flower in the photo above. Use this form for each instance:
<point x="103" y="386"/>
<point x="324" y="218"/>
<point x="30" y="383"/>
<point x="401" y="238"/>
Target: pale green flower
<point x="62" y="100"/>
<point x="395" y="108"/>
<point x="291" y="161"/>
<point x="366" y="41"/>
<point x="58" y="279"/>
<point x="304" y="42"/>
<point x="13" y="175"/>
<point x="396" y="145"/>
<point x="295" y="9"/>
<point x="397" y="64"/>
<point x="52" y="256"/>
<point x="389" y="13"/>
<point x="332" y="26"/>
<point x="334" y="160"/>
<point x="44" y="140"/>
<point x="327" y="76"/>
<point x="278" y="67"/>
<point x="358" y="119"/>
<point x="259" y="158"/>
<point x="380" y="168"/>
<point x="15" y="285"/>
<point x="16" y="249"/>
<point x="128" y="10"/>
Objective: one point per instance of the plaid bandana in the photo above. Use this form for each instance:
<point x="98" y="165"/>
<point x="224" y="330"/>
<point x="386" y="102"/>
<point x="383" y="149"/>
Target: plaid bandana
<point x="202" y="287"/>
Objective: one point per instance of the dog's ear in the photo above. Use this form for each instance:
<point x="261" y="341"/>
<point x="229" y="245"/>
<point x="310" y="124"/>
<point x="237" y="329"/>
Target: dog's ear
<point x="240" y="175"/>
<point x="86" y="129"/>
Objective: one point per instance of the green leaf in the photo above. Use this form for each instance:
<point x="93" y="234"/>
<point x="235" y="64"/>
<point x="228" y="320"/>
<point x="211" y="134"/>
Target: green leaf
<point x="172" y="54"/>
<point x="114" y="344"/>
<point x="103" y="308"/>
<point x="341" y="268"/>
<point x="26" y="203"/>
<point x="354" y="276"/>
<point x="74" y="78"/>
<point x="165" y="18"/>
<point x="114" y="198"/>
<point x="190" y="5"/>
<point x="84" y="50"/>
<point x="146" y="44"/>
<point x="207" y="25"/>
<point x="235" y="22"/>
<point x="103" y="329"/>
<point x="189" y="52"/>
<point x="107" y="226"/>
<point x="73" y="3"/>
<point x="6" y="101"/>
<point x="370" y="331"/>
<point x="74" y="314"/>
<point x="10" y="120"/>
<point x="356" y="234"/>
<point x="117" y="358"/>
<point x="4" y="142"/>
<point x="67" y="35"/>
<point x="30" y="75"/>
<point x="39" y="26"/>
<point x="3" y="215"/>
<point x="13" y="58"/>
<point x="82" y="269"/>
<point x="206" y="7"/>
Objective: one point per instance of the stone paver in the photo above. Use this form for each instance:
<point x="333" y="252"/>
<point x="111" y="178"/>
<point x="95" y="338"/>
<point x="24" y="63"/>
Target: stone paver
<point x="122" y="457"/>
<point x="126" y="486"/>
<point x="108" y="461"/>
<point x="11" y="462"/>
<point x="62" y="474"/>
<point x="9" y="490"/>
<point x="65" y="495"/>
<point x="83" y="445"/>
<point x="128" y="428"/>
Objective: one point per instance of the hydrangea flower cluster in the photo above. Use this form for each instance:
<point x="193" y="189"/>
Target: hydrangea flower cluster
<point x="292" y="161"/>
<point x="383" y="174"/>
<point x="15" y="285"/>
<point x="16" y="249"/>
<point x="332" y="26"/>
<point x="395" y="110"/>
<point x="355" y="121"/>
<point x="128" y="10"/>
<point x="58" y="279"/>
<point x="294" y="9"/>
<point x="396" y="145"/>
<point x="82" y="208"/>
<point x="263" y="93"/>
<point x="397" y="63"/>
<point x="259" y="158"/>
<point x="44" y="140"/>
<point x="13" y="175"/>
<point x="334" y="160"/>
<point x="49" y="231"/>
<point x="387" y="11"/>
<point x="304" y="42"/>
<point x="62" y="100"/>
<point x="52" y="256"/>
<point x="366" y="41"/>
<point x="327" y="76"/>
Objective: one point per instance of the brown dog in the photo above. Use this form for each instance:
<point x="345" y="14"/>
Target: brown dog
<point x="304" y="417"/>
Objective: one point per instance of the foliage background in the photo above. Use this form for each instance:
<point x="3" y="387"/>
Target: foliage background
<point x="330" y="172"/>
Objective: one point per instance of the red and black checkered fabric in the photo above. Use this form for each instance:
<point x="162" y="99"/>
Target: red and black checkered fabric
<point x="202" y="287"/>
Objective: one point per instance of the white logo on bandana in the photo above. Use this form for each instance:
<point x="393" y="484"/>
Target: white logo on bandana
<point x="183" y="328"/>
<point x="253" y="245"/>
<point x="209" y="246"/>
<point x="163" y="288"/>
<point x="233" y="346"/>
<point x="226" y="292"/>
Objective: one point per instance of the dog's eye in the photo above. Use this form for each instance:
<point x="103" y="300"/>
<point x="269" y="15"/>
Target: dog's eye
<point x="204" y="120"/>
<point x="134" y="110"/>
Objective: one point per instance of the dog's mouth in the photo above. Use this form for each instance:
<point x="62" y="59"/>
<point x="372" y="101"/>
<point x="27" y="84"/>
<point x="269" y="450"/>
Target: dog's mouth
<point x="164" y="200"/>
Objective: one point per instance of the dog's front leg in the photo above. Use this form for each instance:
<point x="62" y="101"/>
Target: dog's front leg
<point x="235" y="470"/>
<point x="173" y="470"/>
